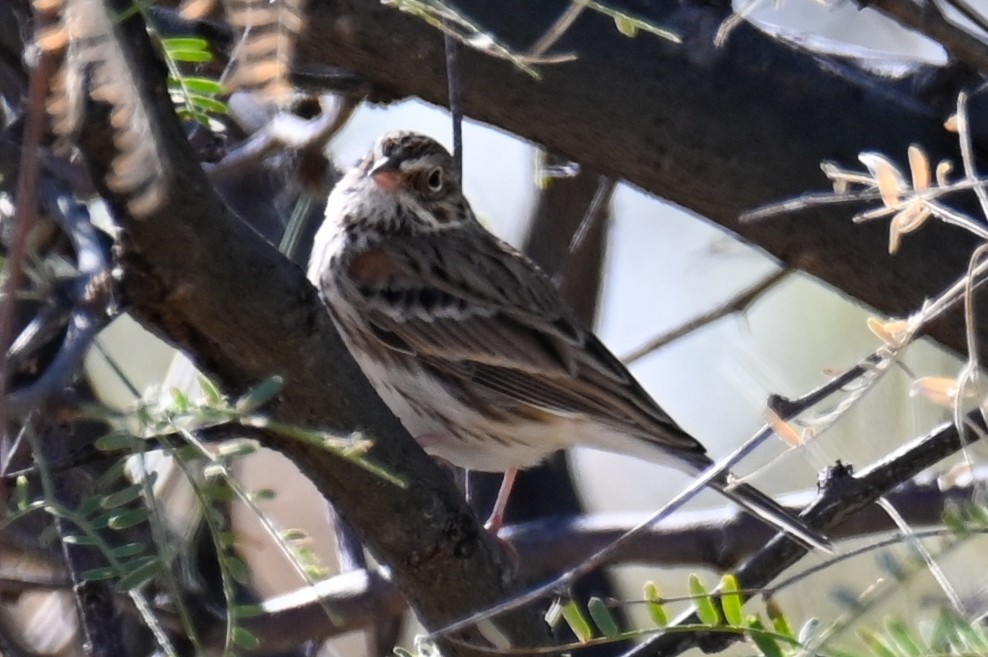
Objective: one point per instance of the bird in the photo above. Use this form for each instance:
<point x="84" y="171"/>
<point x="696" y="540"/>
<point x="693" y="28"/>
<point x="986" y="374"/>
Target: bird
<point x="468" y="341"/>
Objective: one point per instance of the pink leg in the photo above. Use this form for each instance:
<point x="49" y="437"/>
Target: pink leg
<point x="496" y="521"/>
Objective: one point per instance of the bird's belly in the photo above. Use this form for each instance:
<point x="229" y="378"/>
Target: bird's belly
<point x="448" y="428"/>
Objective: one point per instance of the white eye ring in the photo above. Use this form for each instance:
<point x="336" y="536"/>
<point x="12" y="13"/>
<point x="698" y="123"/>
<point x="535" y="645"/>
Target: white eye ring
<point x="435" y="179"/>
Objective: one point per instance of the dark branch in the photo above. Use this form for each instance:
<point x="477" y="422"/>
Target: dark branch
<point x="716" y="130"/>
<point x="244" y="313"/>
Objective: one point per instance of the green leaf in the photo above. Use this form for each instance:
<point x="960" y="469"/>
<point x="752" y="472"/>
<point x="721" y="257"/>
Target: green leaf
<point x="209" y="389"/>
<point x="140" y="571"/>
<point x="577" y="621"/>
<point x="293" y="534"/>
<point x="236" y="447"/>
<point x="90" y="505"/>
<point x="21" y="493"/>
<point x="626" y="26"/>
<point x="954" y="521"/>
<point x="764" y="641"/>
<point x="185" y="43"/>
<point x="127" y="550"/>
<point x="112" y="474"/>
<point x="977" y="516"/>
<point x="122" y="496"/>
<point x="780" y="623"/>
<point x="260" y="395"/>
<point x="206" y="87"/>
<point x="190" y="56"/>
<point x="95" y="574"/>
<point x="226" y="540"/>
<point x="219" y="492"/>
<point x="903" y="638"/>
<point x="188" y="114"/>
<point x="127" y="518"/>
<point x="654" y="604"/>
<point x="207" y="104"/>
<point x="943" y="634"/>
<point x="237" y="568"/>
<point x="706" y="610"/>
<point x="245" y="639"/>
<point x="248" y="611"/>
<point x="879" y="645"/>
<point x="730" y="600"/>
<point x="114" y="441"/>
<point x="602" y="617"/>
<point x="180" y="400"/>
<point x="263" y="495"/>
<point x="888" y="562"/>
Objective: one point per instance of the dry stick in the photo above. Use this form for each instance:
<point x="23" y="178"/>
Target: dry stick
<point x="557" y="29"/>
<point x="843" y="494"/>
<point x="454" y="79"/>
<point x="24" y="212"/>
<point x="605" y="190"/>
<point x="739" y="303"/>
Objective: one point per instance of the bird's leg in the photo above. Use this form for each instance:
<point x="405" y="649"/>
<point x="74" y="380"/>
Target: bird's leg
<point x="496" y="519"/>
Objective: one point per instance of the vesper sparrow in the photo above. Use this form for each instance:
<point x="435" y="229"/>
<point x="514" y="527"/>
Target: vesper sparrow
<point x="468" y="341"/>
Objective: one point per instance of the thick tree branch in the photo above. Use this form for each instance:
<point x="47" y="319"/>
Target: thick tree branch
<point x="244" y="313"/>
<point x="716" y="130"/>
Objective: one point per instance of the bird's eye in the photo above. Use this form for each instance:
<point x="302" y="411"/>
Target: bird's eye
<point x="435" y="179"/>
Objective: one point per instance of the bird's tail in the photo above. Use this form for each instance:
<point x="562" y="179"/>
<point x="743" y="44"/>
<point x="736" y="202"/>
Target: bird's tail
<point x="765" y="508"/>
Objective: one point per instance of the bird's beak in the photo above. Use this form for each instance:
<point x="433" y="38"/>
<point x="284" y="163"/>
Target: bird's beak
<point x="386" y="174"/>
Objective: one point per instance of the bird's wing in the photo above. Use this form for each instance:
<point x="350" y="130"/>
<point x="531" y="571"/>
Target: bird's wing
<point x="473" y="309"/>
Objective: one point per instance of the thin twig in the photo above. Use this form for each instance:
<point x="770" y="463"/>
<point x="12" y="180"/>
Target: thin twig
<point x="25" y="212"/>
<point x="605" y="190"/>
<point x="935" y="570"/>
<point x="557" y="29"/>
<point x="454" y="80"/>
<point x="739" y="303"/>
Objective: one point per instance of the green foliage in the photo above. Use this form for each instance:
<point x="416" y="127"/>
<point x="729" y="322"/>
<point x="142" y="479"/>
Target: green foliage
<point x="196" y="98"/>
<point x="718" y="611"/>
<point x="123" y="519"/>
<point x="946" y="634"/>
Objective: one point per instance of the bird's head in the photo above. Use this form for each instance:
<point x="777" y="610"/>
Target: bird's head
<point x="415" y="175"/>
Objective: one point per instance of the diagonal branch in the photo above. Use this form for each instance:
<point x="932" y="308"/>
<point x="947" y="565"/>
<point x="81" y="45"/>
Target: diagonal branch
<point x="718" y="131"/>
<point x="193" y="274"/>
